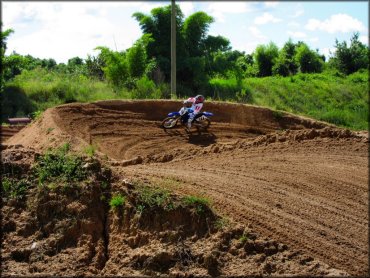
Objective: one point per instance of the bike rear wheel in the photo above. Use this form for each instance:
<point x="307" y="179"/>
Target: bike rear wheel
<point x="169" y="122"/>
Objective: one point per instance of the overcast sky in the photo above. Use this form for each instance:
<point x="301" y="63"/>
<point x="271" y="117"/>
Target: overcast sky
<point x="63" y="30"/>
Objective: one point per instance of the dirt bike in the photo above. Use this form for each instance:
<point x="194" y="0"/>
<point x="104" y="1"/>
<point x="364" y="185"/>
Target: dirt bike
<point x="201" y="120"/>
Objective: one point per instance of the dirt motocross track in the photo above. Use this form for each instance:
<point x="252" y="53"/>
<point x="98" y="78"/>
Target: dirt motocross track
<point x="301" y="182"/>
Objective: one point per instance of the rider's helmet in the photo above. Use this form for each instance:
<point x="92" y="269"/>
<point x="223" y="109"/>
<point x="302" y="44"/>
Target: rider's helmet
<point x="199" y="99"/>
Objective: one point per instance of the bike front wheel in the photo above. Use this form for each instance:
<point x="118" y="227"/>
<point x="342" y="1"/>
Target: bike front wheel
<point x="169" y="122"/>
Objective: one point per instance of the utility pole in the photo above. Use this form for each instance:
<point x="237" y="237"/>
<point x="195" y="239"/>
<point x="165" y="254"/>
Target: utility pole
<point x="173" y="49"/>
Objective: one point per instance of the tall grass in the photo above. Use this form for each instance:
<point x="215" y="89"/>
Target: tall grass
<point x="46" y="88"/>
<point x="329" y="96"/>
<point x="40" y="89"/>
<point x="341" y="100"/>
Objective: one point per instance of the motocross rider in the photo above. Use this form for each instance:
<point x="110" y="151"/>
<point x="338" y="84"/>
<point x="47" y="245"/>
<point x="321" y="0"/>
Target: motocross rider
<point x="196" y="106"/>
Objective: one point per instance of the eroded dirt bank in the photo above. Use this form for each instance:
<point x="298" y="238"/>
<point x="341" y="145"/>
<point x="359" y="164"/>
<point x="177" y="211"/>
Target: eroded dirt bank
<point x="69" y="228"/>
<point x="292" y="180"/>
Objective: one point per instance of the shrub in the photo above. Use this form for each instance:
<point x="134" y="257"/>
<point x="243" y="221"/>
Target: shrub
<point x="154" y="197"/>
<point x="117" y="201"/>
<point x="58" y="165"/>
<point x="14" y="189"/>
<point x="90" y="150"/>
<point x="200" y="203"/>
<point x="145" y="89"/>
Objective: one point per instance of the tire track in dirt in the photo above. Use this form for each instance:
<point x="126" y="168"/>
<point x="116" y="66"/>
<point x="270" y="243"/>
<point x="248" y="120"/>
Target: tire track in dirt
<point x="307" y="187"/>
<point x="292" y="201"/>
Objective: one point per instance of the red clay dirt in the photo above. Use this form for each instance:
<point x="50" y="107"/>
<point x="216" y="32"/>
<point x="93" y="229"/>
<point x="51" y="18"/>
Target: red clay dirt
<point x="297" y="181"/>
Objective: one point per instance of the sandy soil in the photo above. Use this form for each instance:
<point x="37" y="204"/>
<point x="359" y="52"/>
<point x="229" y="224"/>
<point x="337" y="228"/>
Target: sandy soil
<point x="300" y="182"/>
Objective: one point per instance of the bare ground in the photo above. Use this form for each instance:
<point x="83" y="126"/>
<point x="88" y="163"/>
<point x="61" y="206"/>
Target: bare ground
<point x="293" y="180"/>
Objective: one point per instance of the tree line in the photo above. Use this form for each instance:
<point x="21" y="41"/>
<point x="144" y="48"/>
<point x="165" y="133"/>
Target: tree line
<point x="200" y="56"/>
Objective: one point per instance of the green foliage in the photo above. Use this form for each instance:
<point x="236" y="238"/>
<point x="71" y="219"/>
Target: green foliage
<point x="244" y="237"/>
<point x="90" y="150"/>
<point x="137" y="57"/>
<point x="59" y="165"/>
<point x="154" y="197"/>
<point x="146" y="89"/>
<point x="349" y="59"/>
<point x="3" y="37"/>
<point x="117" y="201"/>
<point x="15" y="103"/>
<point x="200" y="203"/>
<point x="13" y="188"/>
<point x="94" y="67"/>
<point x="37" y="115"/>
<point x="39" y="89"/>
<point x="116" y="66"/>
<point x="265" y="57"/>
<point x="338" y="100"/>
<point x="285" y="64"/>
<point x="224" y="89"/>
<point x="195" y="30"/>
<point x="308" y="60"/>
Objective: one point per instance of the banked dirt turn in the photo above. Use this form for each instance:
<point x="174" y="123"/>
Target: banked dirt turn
<point x="301" y="182"/>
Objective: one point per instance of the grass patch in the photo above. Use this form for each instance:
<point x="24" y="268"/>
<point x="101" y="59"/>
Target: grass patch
<point x="90" y="150"/>
<point x="244" y="237"/>
<point x="200" y="203"/>
<point x="37" y="115"/>
<point x="117" y="201"/>
<point x="149" y="197"/>
<point x="59" y="166"/>
<point x="14" y="189"/>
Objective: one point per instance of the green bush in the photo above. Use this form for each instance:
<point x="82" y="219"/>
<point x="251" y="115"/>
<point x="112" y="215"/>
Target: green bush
<point x="200" y="203"/>
<point x="146" y="89"/>
<point x="154" y="197"/>
<point x="90" y="150"/>
<point x="15" y="103"/>
<point x="58" y="165"/>
<point x="14" y="189"/>
<point x="117" y="201"/>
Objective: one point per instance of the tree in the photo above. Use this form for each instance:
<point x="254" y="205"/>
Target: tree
<point x="265" y="58"/>
<point x="4" y="37"/>
<point x="194" y="32"/>
<point x="213" y="44"/>
<point x="137" y="57"/>
<point x="116" y="68"/>
<point x="351" y="59"/>
<point x="285" y="63"/>
<point x="13" y="65"/>
<point x="309" y="61"/>
<point x="76" y="65"/>
<point x="195" y="49"/>
<point x="158" y="25"/>
<point x="94" y="66"/>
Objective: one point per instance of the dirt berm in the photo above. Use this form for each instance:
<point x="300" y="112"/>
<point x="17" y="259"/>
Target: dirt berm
<point x="300" y="187"/>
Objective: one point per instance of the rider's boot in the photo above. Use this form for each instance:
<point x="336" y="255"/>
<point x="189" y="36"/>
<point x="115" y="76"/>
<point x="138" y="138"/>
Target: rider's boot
<point x="188" y="126"/>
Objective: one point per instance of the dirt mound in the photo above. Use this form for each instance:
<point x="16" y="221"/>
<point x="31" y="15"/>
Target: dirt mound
<point x="295" y="181"/>
<point x="55" y="228"/>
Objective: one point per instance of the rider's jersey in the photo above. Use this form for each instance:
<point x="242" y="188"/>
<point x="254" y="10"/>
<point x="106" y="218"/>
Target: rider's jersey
<point x="196" y="107"/>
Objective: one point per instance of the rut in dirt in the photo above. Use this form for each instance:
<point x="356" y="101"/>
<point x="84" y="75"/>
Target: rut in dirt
<point x="293" y="179"/>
